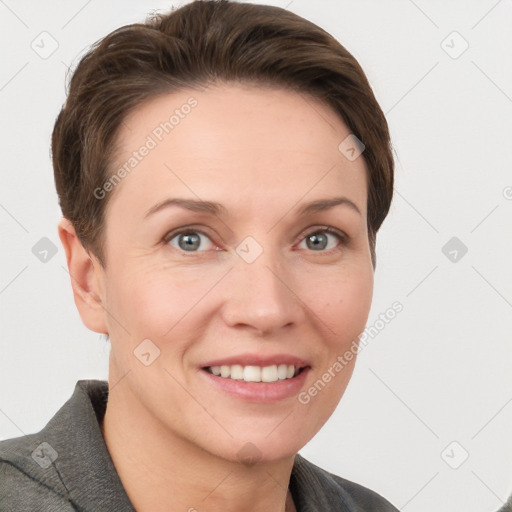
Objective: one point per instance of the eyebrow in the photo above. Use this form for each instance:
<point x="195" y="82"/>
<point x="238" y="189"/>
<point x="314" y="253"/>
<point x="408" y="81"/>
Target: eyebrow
<point x="214" y="208"/>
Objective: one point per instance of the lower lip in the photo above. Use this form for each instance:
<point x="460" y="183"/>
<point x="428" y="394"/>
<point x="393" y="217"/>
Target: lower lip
<point x="263" y="392"/>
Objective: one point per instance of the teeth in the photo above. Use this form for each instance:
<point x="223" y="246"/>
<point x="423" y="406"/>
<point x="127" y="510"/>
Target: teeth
<point x="252" y="374"/>
<point x="282" y="371"/>
<point x="237" y="372"/>
<point x="271" y="373"/>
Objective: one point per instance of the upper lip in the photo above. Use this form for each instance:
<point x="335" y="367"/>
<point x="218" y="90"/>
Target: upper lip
<point x="258" y="360"/>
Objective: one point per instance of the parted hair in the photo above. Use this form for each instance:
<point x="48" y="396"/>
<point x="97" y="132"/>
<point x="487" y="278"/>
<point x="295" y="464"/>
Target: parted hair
<point x="204" y="42"/>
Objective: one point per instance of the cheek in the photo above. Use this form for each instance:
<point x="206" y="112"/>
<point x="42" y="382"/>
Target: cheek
<point x="157" y="303"/>
<point x="343" y="303"/>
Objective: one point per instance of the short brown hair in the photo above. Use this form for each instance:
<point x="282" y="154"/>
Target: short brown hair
<point x="190" y="47"/>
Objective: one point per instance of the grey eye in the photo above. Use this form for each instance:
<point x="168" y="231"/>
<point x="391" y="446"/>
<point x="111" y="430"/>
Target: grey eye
<point x="319" y="240"/>
<point x="189" y="241"/>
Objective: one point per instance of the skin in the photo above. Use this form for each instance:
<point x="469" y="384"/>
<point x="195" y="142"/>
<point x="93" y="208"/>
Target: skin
<point x="262" y="153"/>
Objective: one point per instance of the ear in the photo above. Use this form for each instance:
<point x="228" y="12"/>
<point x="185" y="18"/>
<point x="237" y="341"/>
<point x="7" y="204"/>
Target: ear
<point x="86" y="279"/>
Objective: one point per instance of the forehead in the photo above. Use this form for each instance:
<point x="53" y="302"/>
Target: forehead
<point x="235" y="141"/>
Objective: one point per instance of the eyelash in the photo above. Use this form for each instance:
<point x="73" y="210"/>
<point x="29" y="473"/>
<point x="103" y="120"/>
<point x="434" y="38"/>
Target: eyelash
<point x="342" y="238"/>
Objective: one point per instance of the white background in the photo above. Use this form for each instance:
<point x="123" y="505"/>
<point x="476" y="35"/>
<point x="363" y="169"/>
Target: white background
<point x="440" y="371"/>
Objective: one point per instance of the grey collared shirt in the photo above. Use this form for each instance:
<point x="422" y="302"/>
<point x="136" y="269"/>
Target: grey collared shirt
<point x="67" y="467"/>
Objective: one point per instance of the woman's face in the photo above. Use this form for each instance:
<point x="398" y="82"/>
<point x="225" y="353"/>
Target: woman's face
<point x="253" y="281"/>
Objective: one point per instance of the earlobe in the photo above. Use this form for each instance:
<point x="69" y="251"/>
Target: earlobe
<point x="86" y="279"/>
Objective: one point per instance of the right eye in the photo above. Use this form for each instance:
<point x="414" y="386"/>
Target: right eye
<point x="189" y="240"/>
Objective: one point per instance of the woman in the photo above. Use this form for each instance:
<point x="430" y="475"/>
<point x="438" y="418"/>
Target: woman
<point x="222" y="172"/>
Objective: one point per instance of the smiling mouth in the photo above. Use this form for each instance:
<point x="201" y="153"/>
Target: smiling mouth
<point x="249" y="373"/>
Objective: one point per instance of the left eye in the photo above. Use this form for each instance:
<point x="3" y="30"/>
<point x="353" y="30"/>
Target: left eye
<point x="319" y="240"/>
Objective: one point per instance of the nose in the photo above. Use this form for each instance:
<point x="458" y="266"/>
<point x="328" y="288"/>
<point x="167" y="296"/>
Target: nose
<point x="260" y="296"/>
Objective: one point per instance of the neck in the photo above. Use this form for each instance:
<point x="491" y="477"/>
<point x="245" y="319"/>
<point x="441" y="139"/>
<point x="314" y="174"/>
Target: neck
<point x="162" y="472"/>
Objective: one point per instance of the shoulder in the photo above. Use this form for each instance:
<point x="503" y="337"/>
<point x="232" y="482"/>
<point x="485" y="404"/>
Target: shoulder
<point x="318" y="489"/>
<point x="42" y="471"/>
<point x="25" y="485"/>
